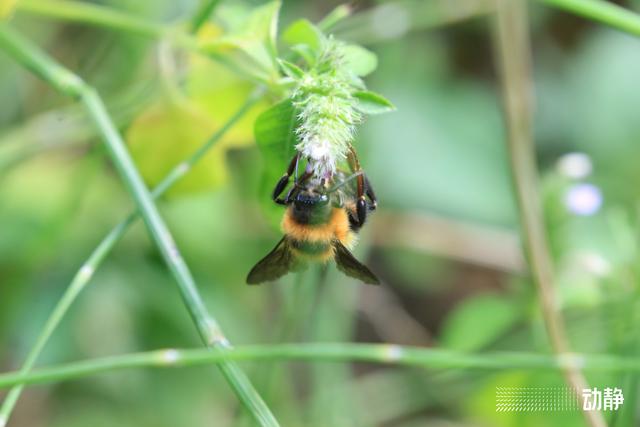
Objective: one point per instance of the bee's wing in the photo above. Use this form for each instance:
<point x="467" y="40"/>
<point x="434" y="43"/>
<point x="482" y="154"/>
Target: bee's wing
<point x="350" y="266"/>
<point x="276" y="264"/>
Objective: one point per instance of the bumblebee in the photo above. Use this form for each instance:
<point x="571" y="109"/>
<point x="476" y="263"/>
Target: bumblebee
<point x="320" y="224"/>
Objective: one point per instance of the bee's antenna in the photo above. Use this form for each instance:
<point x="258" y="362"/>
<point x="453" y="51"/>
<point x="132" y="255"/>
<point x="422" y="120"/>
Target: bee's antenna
<point x="345" y="181"/>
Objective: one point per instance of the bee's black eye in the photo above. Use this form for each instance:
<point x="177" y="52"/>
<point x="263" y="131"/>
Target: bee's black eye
<point x="303" y="198"/>
<point x="311" y="199"/>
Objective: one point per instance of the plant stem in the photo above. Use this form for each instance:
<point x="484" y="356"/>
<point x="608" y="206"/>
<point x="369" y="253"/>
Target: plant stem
<point x="407" y="16"/>
<point x="203" y="13"/>
<point x="93" y="14"/>
<point x="602" y="11"/>
<point x="334" y="17"/>
<point x="514" y="55"/>
<point x="431" y="358"/>
<point x="88" y="268"/>
<point x="70" y="84"/>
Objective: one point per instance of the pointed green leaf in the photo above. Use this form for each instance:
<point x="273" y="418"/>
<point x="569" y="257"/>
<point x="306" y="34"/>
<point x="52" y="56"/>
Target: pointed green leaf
<point x="305" y="52"/>
<point x="275" y="136"/>
<point x="303" y="32"/>
<point x="290" y="69"/>
<point x="372" y="103"/>
<point x="254" y="43"/>
<point x="478" y="322"/>
<point x="359" y="60"/>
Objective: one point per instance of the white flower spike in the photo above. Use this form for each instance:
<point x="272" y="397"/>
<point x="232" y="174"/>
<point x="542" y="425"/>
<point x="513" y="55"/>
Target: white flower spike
<point x="327" y="117"/>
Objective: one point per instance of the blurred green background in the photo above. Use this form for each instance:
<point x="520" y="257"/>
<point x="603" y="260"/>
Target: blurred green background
<point x="444" y="239"/>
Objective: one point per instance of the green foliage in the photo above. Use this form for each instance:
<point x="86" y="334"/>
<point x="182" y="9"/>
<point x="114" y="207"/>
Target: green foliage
<point x="167" y="132"/>
<point x="359" y="60"/>
<point x="252" y="45"/>
<point x="326" y="101"/>
<point x="275" y="136"/>
<point x="302" y="34"/>
<point x="6" y="9"/>
<point x="372" y="103"/>
<point x="478" y="322"/>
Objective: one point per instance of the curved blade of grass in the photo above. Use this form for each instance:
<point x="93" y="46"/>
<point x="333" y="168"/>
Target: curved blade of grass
<point x="601" y="11"/>
<point x="94" y="14"/>
<point x="205" y="9"/>
<point x="429" y="358"/>
<point x="88" y="268"/>
<point x="69" y="84"/>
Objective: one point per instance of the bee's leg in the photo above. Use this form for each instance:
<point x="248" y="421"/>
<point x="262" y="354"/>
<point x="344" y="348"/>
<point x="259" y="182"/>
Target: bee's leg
<point x="370" y="194"/>
<point x="284" y="181"/>
<point x="354" y="222"/>
<point x="296" y="187"/>
<point x="363" y="188"/>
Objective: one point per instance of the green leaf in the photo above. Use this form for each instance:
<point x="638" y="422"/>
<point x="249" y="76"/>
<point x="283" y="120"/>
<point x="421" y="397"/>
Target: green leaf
<point x="165" y="134"/>
<point x="254" y="43"/>
<point x="6" y="8"/>
<point x="290" y="69"/>
<point x="305" y="52"/>
<point x="372" y="103"/>
<point x="275" y="136"/>
<point x="359" y="60"/>
<point x="218" y="92"/>
<point x="478" y="322"/>
<point x="303" y="32"/>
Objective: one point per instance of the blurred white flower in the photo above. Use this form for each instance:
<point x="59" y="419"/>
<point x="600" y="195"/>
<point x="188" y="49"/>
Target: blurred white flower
<point x="593" y="263"/>
<point x="575" y="165"/>
<point x="583" y="199"/>
<point x="390" y="20"/>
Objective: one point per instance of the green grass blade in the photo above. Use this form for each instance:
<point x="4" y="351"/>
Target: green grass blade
<point x="203" y="14"/>
<point x="68" y="83"/>
<point x="427" y="358"/>
<point x="88" y="268"/>
<point x="601" y="11"/>
<point x="93" y="14"/>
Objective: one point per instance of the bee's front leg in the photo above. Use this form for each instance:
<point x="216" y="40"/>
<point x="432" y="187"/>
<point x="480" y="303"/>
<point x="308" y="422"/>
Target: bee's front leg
<point x="364" y="188"/>
<point x="284" y="181"/>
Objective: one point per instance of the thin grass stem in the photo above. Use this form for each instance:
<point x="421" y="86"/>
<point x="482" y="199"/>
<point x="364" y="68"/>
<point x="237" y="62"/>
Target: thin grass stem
<point x="94" y="14"/>
<point x="88" y="268"/>
<point x="428" y="358"/>
<point x="605" y="12"/>
<point x="514" y="55"/>
<point x="71" y="85"/>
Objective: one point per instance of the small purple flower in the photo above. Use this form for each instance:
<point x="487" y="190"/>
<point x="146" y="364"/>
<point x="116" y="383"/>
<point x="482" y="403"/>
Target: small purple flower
<point x="583" y="199"/>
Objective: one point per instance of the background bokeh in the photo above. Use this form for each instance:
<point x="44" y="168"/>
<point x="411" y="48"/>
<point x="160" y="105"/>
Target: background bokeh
<point x="444" y="240"/>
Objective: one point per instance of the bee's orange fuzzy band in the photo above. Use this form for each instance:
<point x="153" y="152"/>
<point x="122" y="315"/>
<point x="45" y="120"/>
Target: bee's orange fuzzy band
<point x="336" y="228"/>
<point x="321" y="257"/>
